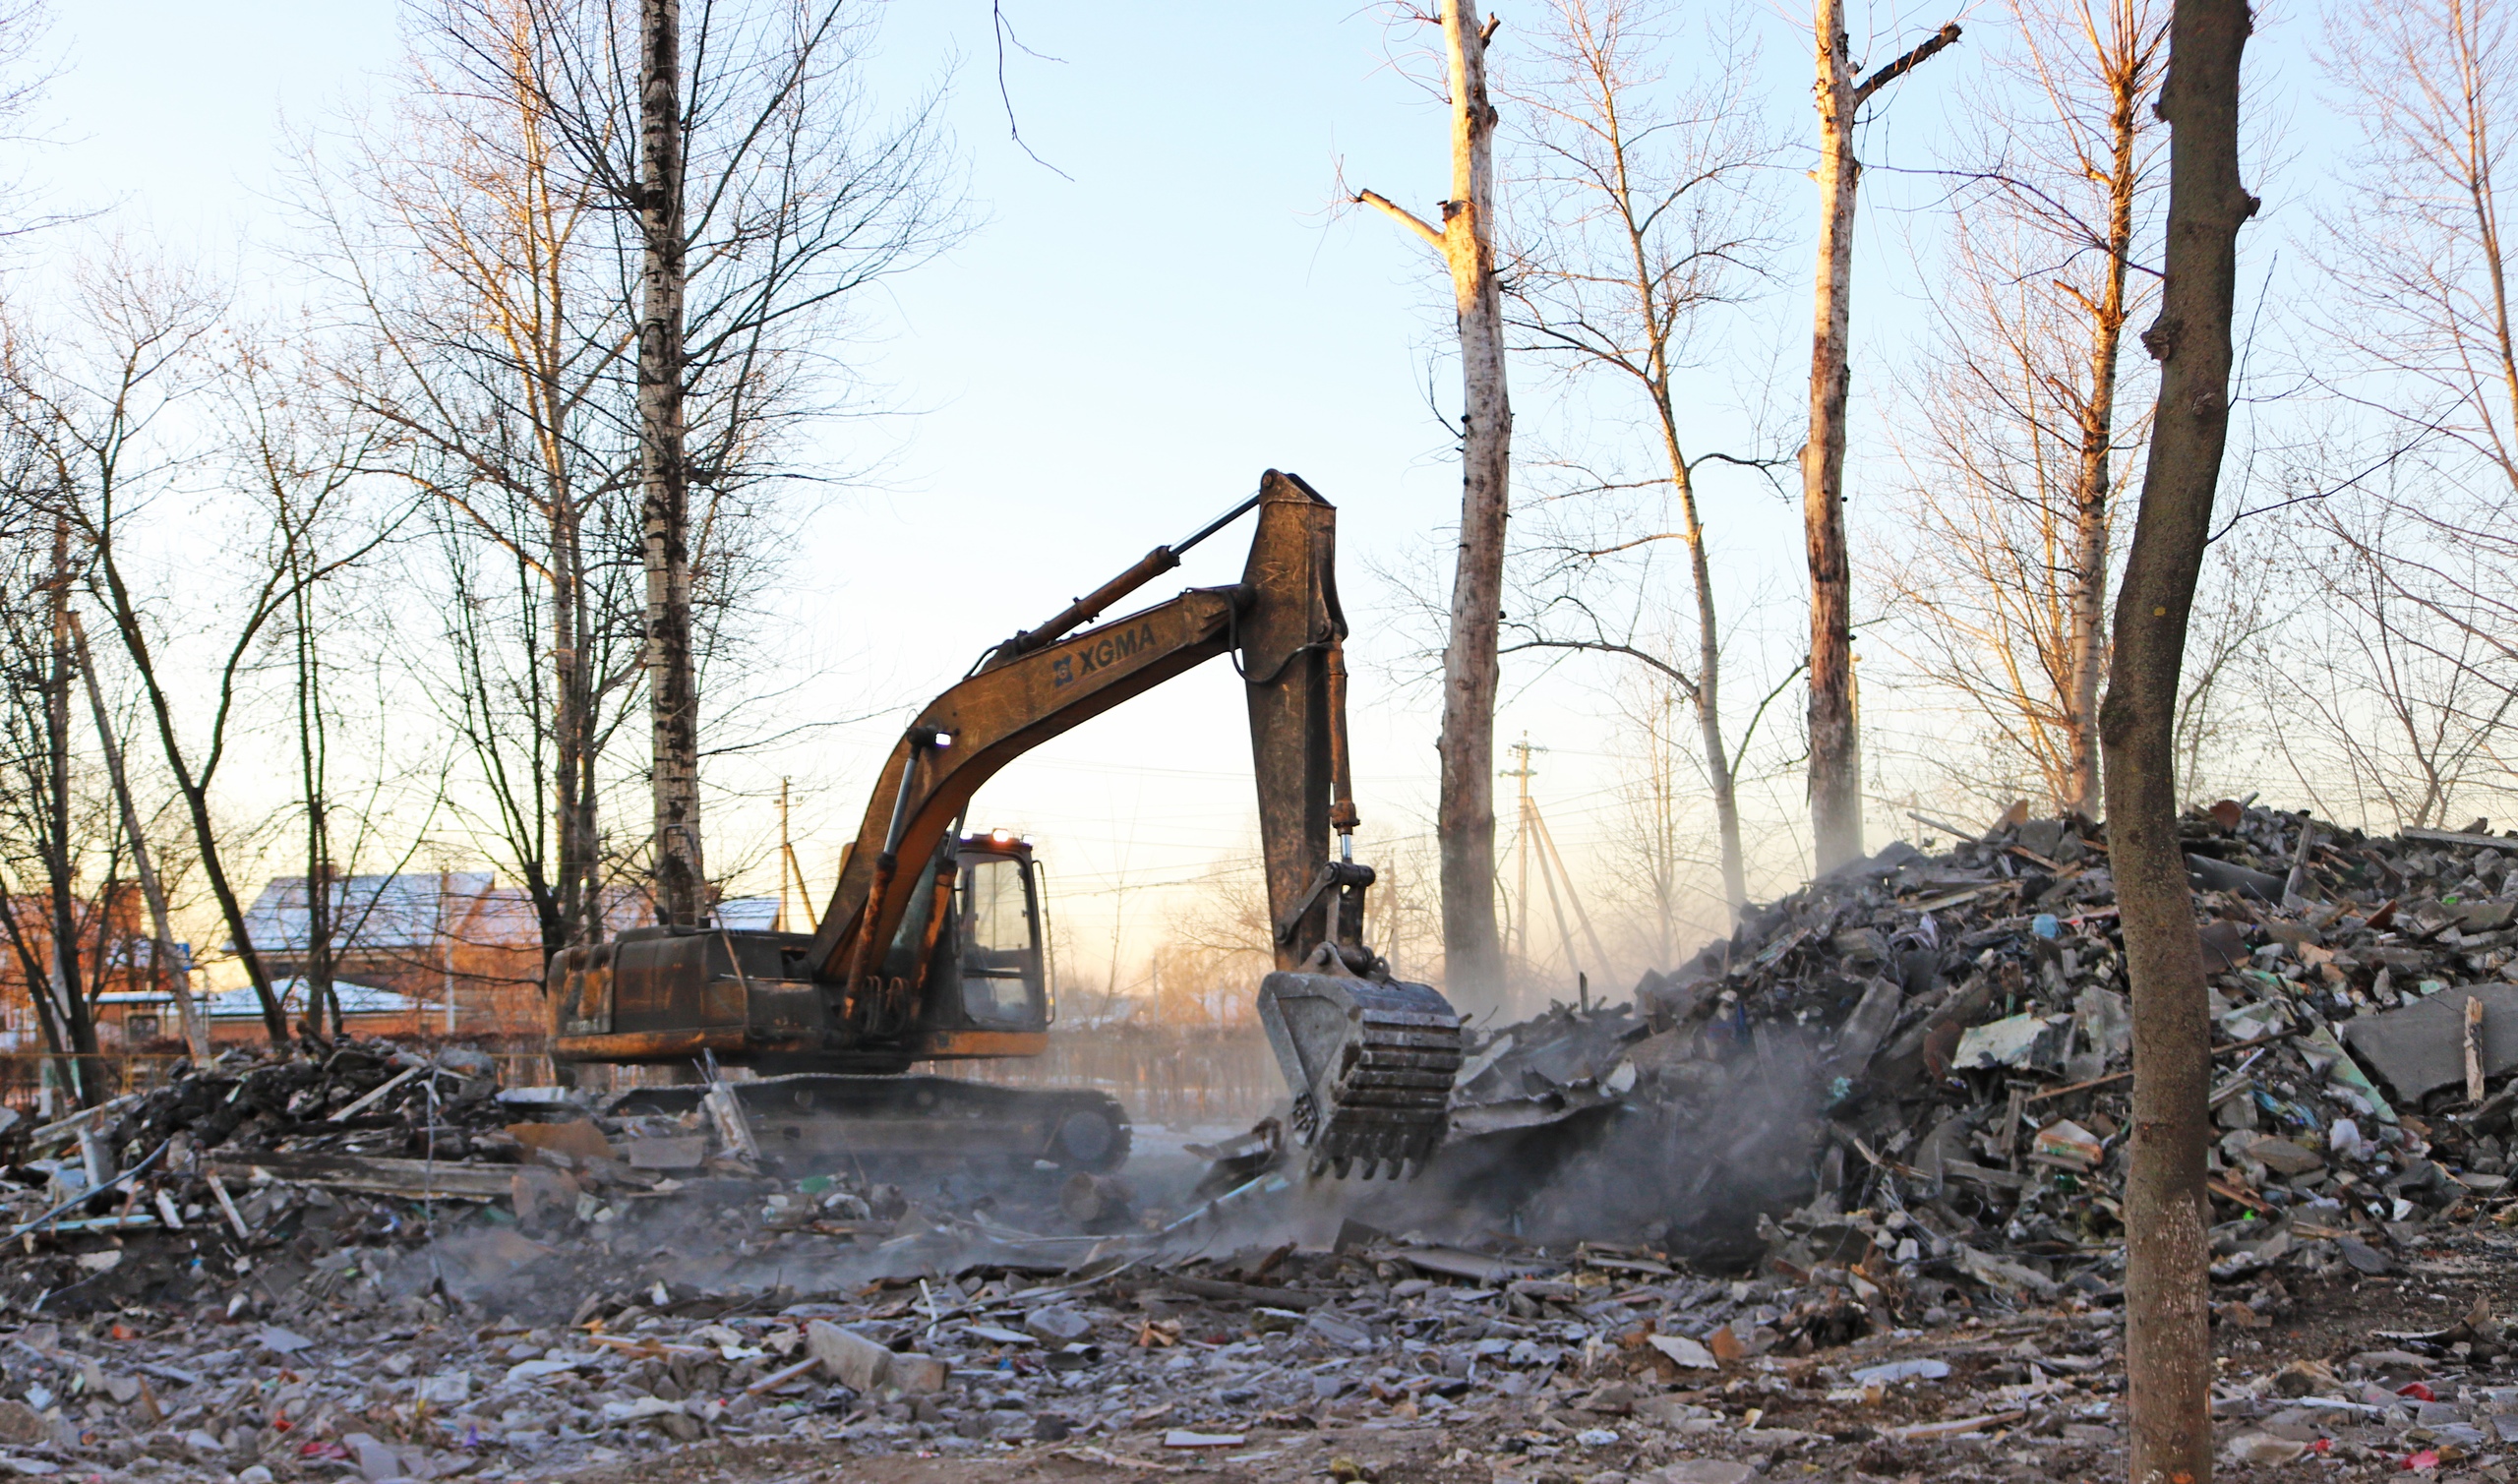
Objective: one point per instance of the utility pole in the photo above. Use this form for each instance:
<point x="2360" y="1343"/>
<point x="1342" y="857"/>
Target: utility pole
<point x="1533" y="828"/>
<point x="664" y="474"/>
<point x="789" y="869"/>
<point x="163" y="951"/>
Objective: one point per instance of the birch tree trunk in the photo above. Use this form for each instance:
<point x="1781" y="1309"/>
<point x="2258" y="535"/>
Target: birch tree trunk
<point x="673" y="684"/>
<point x="2168" y="1334"/>
<point x="1465" y="808"/>
<point x="60" y="864"/>
<point x="1836" y="746"/>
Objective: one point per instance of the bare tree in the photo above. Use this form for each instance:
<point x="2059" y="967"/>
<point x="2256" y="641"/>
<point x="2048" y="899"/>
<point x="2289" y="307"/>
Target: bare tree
<point x="1836" y="751"/>
<point x="2007" y="579"/>
<point x="44" y="837"/>
<point x="2423" y="304"/>
<point x="490" y="237"/>
<point x="2419" y="341"/>
<point x="1651" y="215"/>
<point x="2168" y="1350"/>
<point x="305" y="454"/>
<point x="101" y="403"/>
<point x="2404" y="681"/>
<point x="1465" y="811"/>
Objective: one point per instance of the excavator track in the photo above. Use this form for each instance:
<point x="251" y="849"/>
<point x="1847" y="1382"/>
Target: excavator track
<point x="1371" y="1062"/>
<point x="816" y="1123"/>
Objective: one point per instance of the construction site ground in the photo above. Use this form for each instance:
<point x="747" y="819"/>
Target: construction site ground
<point x="1837" y="1199"/>
<point x="1798" y="1433"/>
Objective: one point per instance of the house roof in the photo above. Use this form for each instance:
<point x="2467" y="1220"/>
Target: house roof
<point x="414" y="912"/>
<point x="747" y="913"/>
<point x="356" y="999"/>
<point x="370" y="914"/>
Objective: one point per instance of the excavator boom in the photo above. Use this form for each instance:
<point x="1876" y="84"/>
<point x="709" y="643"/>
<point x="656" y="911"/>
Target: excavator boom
<point x="881" y="982"/>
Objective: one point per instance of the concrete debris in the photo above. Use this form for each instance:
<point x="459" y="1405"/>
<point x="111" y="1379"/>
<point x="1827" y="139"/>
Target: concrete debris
<point x="1837" y="1198"/>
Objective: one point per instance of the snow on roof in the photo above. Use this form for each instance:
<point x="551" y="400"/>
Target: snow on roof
<point x="368" y="913"/>
<point x="747" y="913"/>
<point x="356" y="999"/>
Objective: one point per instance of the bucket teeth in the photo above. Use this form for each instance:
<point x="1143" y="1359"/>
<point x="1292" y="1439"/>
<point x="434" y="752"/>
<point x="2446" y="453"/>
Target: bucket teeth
<point x="1371" y="1064"/>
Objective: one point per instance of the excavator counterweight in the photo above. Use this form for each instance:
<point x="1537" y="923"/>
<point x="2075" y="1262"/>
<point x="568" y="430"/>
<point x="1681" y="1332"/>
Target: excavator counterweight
<point x="930" y="947"/>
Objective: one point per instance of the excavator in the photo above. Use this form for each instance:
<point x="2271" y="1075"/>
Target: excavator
<point x="932" y="947"/>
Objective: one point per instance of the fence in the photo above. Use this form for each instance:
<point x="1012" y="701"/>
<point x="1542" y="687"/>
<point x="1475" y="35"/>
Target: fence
<point x="1161" y="1074"/>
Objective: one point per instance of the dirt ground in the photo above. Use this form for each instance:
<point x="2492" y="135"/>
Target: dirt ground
<point x="1777" y="1415"/>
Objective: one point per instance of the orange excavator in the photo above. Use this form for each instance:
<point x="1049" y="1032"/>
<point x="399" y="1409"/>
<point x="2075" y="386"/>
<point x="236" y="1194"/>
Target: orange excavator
<point x="931" y="946"/>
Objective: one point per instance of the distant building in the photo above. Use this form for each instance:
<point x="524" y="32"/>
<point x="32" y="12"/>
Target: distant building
<point x="422" y="953"/>
<point x="236" y="1015"/>
<point x="115" y="955"/>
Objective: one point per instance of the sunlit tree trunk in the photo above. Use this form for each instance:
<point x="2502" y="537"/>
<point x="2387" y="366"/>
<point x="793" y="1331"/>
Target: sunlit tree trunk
<point x="1835" y="749"/>
<point x="1465" y="805"/>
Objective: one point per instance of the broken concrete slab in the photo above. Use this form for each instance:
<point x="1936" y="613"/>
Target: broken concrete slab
<point x="850" y="1358"/>
<point x="2283" y="1158"/>
<point x="2018" y="1042"/>
<point x="2420" y="1048"/>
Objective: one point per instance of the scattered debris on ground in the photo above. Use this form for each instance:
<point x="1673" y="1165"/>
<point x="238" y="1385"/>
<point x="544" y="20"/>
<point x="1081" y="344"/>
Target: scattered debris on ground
<point x="1837" y="1198"/>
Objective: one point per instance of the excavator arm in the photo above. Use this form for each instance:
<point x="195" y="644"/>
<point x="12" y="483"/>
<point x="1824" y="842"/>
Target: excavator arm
<point x="1370" y="1058"/>
<point x="1283" y="624"/>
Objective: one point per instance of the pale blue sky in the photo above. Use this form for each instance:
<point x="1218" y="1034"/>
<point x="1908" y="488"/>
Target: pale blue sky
<point x="1111" y="358"/>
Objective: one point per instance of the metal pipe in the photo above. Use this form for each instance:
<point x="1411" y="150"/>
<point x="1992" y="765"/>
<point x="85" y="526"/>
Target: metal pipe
<point x="1151" y="566"/>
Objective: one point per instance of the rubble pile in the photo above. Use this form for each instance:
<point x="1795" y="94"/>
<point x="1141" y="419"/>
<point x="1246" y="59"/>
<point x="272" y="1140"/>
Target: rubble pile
<point x="1837" y="1197"/>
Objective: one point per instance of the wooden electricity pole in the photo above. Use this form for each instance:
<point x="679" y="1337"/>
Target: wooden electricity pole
<point x="1465" y="805"/>
<point x="664" y="475"/>
<point x="2168" y="1338"/>
<point x="1836" y="750"/>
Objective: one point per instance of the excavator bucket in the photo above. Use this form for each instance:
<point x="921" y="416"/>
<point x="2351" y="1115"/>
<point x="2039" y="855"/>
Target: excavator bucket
<point x="1371" y="1064"/>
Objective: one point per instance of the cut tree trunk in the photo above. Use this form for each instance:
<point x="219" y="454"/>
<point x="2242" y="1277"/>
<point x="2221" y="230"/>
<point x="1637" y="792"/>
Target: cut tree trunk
<point x="1835" y="757"/>
<point x="2168" y="1333"/>
<point x="673" y="684"/>
<point x="1465" y="807"/>
<point x="1835" y="742"/>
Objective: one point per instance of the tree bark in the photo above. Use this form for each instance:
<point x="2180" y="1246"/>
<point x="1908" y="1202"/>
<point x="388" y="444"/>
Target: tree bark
<point x="2092" y="514"/>
<point x="163" y="950"/>
<point x="2168" y="1336"/>
<point x="1836" y="744"/>
<point x="60" y="863"/>
<point x="1709" y="656"/>
<point x="1836" y="758"/>
<point x="673" y="684"/>
<point x="1465" y="805"/>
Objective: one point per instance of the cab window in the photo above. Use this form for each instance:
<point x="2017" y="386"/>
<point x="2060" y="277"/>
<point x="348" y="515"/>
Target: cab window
<point x="1000" y="967"/>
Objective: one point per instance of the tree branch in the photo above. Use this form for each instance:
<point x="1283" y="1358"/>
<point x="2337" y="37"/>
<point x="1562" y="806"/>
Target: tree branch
<point x="1905" y="63"/>
<point x="1676" y="676"/>
<point x="1433" y="237"/>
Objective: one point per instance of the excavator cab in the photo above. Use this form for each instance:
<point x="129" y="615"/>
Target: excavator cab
<point x="996" y="936"/>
